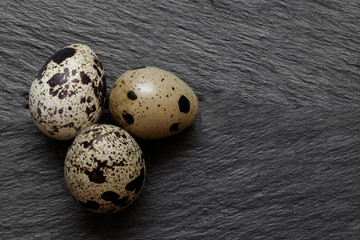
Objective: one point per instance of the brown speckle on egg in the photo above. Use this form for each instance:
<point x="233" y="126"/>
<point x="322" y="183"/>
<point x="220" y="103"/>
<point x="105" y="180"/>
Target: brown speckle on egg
<point x="184" y="104"/>
<point x="128" y="118"/>
<point x="174" y="127"/>
<point x="85" y="79"/>
<point x="131" y="95"/>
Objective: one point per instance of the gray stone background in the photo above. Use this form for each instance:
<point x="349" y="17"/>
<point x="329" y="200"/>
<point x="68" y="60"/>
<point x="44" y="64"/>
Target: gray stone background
<point x="273" y="154"/>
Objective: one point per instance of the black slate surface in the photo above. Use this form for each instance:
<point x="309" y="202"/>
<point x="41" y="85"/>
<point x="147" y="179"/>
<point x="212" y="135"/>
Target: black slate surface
<point x="273" y="154"/>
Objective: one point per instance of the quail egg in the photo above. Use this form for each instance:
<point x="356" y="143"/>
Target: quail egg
<point x="68" y="93"/>
<point x="152" y="103"/>
<point x="104" y="168"/>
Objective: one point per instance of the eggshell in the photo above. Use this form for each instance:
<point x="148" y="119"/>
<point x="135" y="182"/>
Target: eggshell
<point x="152" y="103"/>
<point x="68" y="93"/>
<point x="104" y="168"/>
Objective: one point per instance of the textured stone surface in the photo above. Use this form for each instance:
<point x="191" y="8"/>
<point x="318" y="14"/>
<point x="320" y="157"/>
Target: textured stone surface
<point x="273" y="154"/>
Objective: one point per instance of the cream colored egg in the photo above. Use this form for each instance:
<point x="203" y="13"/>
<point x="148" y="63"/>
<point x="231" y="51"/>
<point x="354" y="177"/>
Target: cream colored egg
<point x="68" y="93"/>
<point x="104" y="168"/>
<point x="152" y="103"/>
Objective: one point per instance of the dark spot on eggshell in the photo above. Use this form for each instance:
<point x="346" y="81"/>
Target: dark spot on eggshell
<point x="110" y="196"/>
<point x="137" y="183"/>
<point x="82" y="100"/>
<point x="98" y="90"/>
<point x="90" y="110"/>
<point x="70" y="93"/>
<point x="86" y="144"/>
<point x="96" y="176"/>
<point x="103" y="90"/>
<point x="61" y="111"/>
<point x="63" y="54"/>
<point x="98" y="63"/>
<point x="184" y="104"/>
<point x="97" y="70"/>
<point x="131" y="95"/>
<point x="84" y="78"/>
<point x="121" y="163"/>
<point x="117" y="134"/>
<point x="122" y="201"/>
<point x="69" y="125"/>
<point x="63" y="94"/>
<point x="69" y="107"/>
<point x="96" y="129"/>
<point x="114" y="198"/>
<point x="73" y="72"/>
<point x="55" y="129"/>
<point x="90" y="204"/>
<point x="38" y="111"/>
<point x="53" y="92"/>
<point x="128" y="118"/>
<point x="58" y="58"/>
<point x="100" y="164"/>
<point x="57" y="79"/>
<point x="174" y="127"/>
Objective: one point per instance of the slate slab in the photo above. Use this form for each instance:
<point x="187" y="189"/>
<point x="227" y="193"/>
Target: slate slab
<point x="274" y="153"/>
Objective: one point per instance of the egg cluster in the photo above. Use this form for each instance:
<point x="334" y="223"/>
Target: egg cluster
<point x="104" y="167"/>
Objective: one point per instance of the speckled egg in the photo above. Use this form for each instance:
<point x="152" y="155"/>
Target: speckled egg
<point x="152" y="103"/>
<point x="68" y="93"/>
<point x="104" y="168"/>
